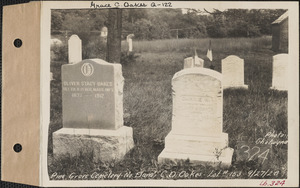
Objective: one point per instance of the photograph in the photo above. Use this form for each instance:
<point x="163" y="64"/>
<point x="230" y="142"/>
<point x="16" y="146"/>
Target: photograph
<point x="150" y="91"/>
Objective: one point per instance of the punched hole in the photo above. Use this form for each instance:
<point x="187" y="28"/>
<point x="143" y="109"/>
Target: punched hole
<point x="18" y="43"/>
<point x="17" y="148"/>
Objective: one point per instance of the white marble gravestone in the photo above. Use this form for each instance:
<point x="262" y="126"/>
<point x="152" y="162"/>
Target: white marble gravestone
<point x="233" y="72"/>
<point x="92" y="111"/>
<point x="74" y="49"/>
<point x="129" y="40"/>
<point x="197" y="132"/>
<point x="195" y="61"/>
<point x="280" y="72"/>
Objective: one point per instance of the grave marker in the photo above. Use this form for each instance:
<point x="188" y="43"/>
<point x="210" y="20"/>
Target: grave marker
<point x="74" y="49"/>
<point x="193" y="62"/>
<point x="92" y="111"/>
<point x="280" y="72"/>
<point x="197" y="119"/>
<point x="129" y="40"/>
<point x="233" y="72"/>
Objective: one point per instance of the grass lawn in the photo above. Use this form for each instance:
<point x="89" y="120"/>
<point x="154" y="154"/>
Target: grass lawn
<point x="247" y="114"/>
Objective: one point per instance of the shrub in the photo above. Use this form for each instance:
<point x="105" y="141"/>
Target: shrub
<point x="59" y="52"/>
<point x="128" y="57"/>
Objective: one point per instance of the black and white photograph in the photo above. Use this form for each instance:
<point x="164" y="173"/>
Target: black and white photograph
<point x="166" y="91"/>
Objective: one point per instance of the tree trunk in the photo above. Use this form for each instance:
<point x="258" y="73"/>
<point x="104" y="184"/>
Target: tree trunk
<point x="113" y="54"/>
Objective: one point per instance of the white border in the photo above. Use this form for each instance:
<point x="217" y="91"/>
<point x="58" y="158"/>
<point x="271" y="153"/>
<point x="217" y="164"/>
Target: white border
<point x="293" y="95"/>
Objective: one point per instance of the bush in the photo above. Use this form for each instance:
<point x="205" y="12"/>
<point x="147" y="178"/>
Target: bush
<point x="128" y="57"/>
<point x="59" y="52"/>
<point x="95" y="48"/>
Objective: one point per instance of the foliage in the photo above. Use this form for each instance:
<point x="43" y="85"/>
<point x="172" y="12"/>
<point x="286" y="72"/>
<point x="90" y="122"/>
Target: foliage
<point x="128" y="58"/>
<point x="59" y="52"/>
<point x="153" y="24"/>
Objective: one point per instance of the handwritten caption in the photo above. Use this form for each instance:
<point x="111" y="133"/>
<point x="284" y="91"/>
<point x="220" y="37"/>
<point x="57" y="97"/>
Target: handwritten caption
<point x="273" y="183"/>
<point x="130" y="5"/>
<point x="166" y="174"/>
<point x="260" y="148"/>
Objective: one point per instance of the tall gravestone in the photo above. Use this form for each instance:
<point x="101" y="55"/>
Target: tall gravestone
<point x="195" y="61"/>
<point x="280" y="72"/>
<point x="233" y="72"/>
<point x="197" y="132"/>
<point x="92" y="111"/>
<point x="74" y="49"/>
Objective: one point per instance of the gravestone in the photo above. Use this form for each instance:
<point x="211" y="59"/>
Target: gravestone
<point x="233" y="72"/>
<point x="51" y="76"/>
<point x="193" y="62"/>
<point x="129" y="40"/>
<point x="74" y="49"/>
<point x="197" y="132"/>
<point x="92" y="111"/>
<point x="280" y="72"/>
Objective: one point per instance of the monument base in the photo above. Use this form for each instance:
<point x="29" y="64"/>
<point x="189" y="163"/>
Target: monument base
<point x="104" y="145"/>
<point x="236" y="87"/>
<point x="197" y="149"/>
<point x="278" y="88"/>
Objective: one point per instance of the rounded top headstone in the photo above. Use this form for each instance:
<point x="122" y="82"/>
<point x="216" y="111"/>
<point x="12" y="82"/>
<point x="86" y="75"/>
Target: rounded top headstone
<point x="200" y="71"/>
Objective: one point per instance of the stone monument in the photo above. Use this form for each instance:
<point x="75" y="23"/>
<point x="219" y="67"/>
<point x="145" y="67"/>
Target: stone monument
<point x="197" y="133"/>
<point x="233" y="72"/>
<point x="92" y="111"/>
<point x="195" y="61"/>
<point x="74" y="49"/>
<point x="280" y="72"/>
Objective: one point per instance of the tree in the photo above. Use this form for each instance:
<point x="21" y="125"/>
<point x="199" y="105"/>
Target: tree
<point x="114" y="24"/>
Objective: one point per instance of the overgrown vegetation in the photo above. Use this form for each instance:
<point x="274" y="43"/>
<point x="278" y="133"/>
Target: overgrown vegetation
<point x="153" y="24"/>
<point x="148" y="110"/>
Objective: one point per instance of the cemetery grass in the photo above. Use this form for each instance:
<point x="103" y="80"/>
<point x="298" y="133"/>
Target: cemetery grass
<point x="247" y="114"/>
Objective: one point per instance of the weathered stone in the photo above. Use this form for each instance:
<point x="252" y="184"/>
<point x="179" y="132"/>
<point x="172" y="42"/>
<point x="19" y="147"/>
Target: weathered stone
<point x="92" y="95"/>
<point x="193" y="62"/>
<point x="74" y="49"/>
<point x="280" y="72"/>
<point x="92" y="103"/>
<point x="129" y="41"/>
<point x="104" y="145"/>
<point x="197" y="119"/>
<point x="233" y="72"/>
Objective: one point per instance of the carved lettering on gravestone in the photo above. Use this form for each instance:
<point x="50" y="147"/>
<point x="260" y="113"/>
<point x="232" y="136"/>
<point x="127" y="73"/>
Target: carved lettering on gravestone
<point x="74" y="49"/>
<point x="197" y="104"/>
<point x="233" y="72"/>
<point x="280" y="72"/>
<point x="92" y="95"/>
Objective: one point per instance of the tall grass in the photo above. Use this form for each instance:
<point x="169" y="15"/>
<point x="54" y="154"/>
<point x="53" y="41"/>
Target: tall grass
<point x="148" y="105"/>
<point x="183" y="45"/>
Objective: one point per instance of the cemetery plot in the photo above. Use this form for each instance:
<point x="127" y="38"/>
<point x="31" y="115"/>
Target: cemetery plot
<point x="149" y="107"/>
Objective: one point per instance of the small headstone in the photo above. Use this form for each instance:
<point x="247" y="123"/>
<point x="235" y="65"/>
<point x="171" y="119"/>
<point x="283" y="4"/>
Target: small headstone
<point x="51" y="76"/>
<point x="92" y="111"/>
<point x="129" y="40"/>
<point x="233" y="72"/>
<point x="74" y="49"/>
<point x="193" y="62"/>
<point x="280" y="72"/>
<point x="197" y="119"/>
<point x="104" y="32"/>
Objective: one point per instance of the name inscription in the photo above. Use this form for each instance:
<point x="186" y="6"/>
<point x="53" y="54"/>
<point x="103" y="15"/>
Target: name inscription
<point x="88" y="88"/>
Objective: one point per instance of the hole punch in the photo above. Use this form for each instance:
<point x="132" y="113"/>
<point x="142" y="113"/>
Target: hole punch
<point x="17" y="148"/>
<point x="18" y="43"/>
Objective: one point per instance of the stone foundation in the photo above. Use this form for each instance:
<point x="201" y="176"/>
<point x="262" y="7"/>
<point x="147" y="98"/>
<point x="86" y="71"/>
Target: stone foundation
<point x="105" y="145"/>
<point x="197" y="149"/>
<point x="236" y="87"/>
